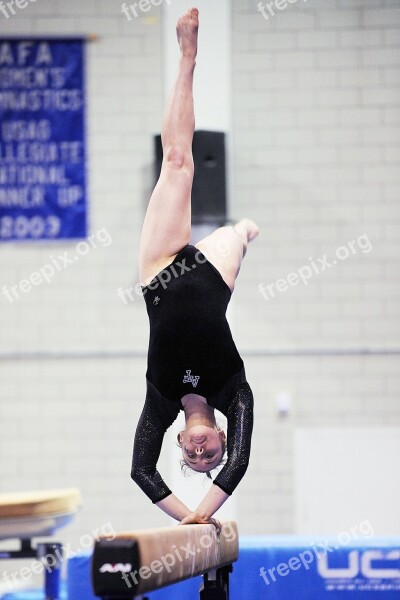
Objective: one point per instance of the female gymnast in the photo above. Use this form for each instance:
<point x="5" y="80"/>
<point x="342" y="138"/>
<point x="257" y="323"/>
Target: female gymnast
<point x="193" y="364"/>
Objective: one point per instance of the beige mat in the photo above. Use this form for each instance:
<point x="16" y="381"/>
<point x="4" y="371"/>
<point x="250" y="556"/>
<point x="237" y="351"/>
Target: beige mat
<point x="39" y="503"/>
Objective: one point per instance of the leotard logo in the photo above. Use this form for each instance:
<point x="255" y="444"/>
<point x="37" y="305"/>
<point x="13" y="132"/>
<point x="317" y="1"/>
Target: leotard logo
<point x="193" y="379"/>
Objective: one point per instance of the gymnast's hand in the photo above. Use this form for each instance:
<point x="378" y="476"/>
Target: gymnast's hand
<point x="211" y="502"/>
<point x="201" y="519"/>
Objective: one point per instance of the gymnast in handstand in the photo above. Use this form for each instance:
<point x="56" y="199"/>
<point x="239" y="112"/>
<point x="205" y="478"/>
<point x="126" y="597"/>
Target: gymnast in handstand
<point x="193" y="364"/>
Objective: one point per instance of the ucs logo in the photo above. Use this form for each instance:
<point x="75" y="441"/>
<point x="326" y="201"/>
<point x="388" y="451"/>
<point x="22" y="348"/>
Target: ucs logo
<point x="116" y="568"/>
<point x="360" y="563"/>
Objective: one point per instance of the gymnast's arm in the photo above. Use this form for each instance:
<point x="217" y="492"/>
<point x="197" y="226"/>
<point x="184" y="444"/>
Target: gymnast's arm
<point x="149" y="436"/>
<point x="240" y="428"/>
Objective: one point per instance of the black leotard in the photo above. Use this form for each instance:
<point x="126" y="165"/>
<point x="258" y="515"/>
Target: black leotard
<point x="191" y="350"/>
<point x="191" y="347"/>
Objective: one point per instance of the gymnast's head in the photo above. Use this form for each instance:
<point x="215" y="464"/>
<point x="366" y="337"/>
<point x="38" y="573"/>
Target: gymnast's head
<point x="203" y="448"/>
<point x="203" y="442"/>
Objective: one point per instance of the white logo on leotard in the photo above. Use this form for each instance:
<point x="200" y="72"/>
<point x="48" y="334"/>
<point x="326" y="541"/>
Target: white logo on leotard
<point x="193" y="379"/>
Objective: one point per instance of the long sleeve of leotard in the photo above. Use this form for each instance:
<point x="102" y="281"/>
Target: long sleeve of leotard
<point x="157" y="415"/>
<point x="239" y="415"/>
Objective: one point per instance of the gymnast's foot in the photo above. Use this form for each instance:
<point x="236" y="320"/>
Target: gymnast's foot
<point x="249" y="227"/>
<point x="187" y="30"/>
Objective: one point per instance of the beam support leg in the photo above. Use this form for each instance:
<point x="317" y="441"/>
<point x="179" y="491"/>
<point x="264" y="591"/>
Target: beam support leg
<point x="215" y="584"/>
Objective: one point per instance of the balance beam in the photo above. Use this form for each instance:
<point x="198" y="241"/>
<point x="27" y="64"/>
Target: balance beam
<point x="145" y="560"/>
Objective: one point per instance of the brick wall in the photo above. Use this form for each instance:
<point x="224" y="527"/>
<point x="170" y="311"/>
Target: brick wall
<point x="316" y="163"/>
<point x="71" y="422"/>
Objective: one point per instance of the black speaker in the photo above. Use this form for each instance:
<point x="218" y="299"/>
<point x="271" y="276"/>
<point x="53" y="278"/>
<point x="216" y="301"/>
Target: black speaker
<point x="209" y="183"/>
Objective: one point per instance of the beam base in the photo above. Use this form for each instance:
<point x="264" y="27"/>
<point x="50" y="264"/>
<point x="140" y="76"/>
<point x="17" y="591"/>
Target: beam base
<point x="215" y="584"/>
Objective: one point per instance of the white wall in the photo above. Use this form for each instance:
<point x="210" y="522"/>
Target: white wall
<point x="316" y="137"/>
<point x="71" y="422"/>
<point x="316" y="150"/>
<point x="345" y="476"/>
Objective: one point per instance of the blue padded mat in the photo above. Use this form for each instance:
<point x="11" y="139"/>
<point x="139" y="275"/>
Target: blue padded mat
<point x="291" y="570"/>
<point x="32" y="595"/>
<point x="278" y="568"/>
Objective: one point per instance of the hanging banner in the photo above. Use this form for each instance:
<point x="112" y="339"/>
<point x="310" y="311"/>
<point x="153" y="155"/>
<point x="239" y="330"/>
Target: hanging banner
<point x="42" y="144"/>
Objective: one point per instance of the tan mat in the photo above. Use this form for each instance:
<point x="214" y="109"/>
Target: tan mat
<point x="39" y="503"/>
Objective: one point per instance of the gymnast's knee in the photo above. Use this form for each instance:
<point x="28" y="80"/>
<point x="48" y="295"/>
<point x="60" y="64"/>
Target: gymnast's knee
<point x="177" y="157"/>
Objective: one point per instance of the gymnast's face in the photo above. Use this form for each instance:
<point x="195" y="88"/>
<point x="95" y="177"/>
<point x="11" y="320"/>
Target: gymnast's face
<point x="202" y="447"/>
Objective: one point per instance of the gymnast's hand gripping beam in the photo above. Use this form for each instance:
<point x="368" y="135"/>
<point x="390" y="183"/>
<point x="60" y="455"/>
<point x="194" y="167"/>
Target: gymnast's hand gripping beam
<point x="142" y="561"/>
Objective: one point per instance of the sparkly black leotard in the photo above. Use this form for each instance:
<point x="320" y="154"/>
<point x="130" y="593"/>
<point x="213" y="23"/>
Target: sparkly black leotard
<point x="191" y="350"/>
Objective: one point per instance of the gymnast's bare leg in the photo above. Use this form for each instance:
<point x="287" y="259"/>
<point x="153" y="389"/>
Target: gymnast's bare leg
<point x="166" y="228"/>
<point x="226" y="247"/>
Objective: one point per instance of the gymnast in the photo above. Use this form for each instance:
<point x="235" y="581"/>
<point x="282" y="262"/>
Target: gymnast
<point x="193" y="364"/>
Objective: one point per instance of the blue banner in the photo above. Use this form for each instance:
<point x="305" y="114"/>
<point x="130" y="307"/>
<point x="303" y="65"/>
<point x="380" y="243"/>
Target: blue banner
<point x="42" y="139"/>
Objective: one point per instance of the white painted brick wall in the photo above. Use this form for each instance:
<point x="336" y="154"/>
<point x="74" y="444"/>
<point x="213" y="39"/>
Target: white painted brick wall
<point x="71" y="422"/>
<point x="316" y="148"/>
<point x="316" y="112"/>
